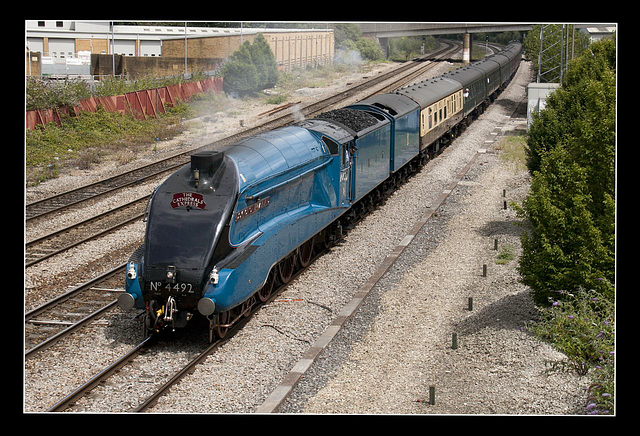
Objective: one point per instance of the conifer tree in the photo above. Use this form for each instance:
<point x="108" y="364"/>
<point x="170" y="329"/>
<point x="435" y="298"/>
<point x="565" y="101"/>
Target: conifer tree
<point x="239" y="72"/>
<point x="250" y="68"/>
<point x="265" y="62"/>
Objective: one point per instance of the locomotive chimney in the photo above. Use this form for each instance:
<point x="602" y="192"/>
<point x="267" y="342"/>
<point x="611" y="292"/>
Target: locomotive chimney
<point x="204" y="164"/>
<point x="207" y="162"/>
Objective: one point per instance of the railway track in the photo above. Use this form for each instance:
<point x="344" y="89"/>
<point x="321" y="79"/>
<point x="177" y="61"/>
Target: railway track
<point x="59" y="241"/>
<point x="160" y="388"/>
<point x="52" y="321"/>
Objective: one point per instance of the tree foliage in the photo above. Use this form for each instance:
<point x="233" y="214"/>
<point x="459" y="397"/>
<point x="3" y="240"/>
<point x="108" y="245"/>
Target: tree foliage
<point x="407" y="47"/>
<point x="348" y="37"/>
<point x="344" y="32"/>
<point x="250" y="68"/>
<point x="265" y="62"/>
<point x="571" y="204"/>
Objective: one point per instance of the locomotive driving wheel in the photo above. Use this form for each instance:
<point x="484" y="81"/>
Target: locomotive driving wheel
<point x="285" y="269"/>
<point x="305" y="252"/>
<point x="222" y="326"/>
<point x="265" y="292"/>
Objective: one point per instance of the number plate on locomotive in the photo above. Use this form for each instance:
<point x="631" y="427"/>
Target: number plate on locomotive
<point x="172" y="288"/>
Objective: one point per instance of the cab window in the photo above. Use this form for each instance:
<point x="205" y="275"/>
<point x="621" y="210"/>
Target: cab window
<point x="333" y="146"/>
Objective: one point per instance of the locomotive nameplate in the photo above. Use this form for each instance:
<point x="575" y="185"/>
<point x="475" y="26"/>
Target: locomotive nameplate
<point x="258" y="205"/>
<point x="189" y="200"/>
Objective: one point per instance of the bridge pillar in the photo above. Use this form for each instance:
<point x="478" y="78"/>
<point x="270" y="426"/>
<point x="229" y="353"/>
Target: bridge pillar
<point x="466" y="48"/>
<point x="384" y="43"/>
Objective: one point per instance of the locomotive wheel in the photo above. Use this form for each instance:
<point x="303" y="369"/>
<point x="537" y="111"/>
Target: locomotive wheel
<point x="305" y="252"/>
<point x="285" y="269"/>
<point x="265" y="292"/>
<point x="322" y="241"/>
<point x="223" y="319"/>
<point x="246" y="307"/>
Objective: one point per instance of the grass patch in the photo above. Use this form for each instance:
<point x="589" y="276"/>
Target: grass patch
<point x="276" y="99"/>
<point x="207" y="104"/>
<point x="513" y="151"/>
<point x="319" y="77"/>
<point x="84" y="140"/>
<point x="314" y="78"/>
<point x="506" y="254"/>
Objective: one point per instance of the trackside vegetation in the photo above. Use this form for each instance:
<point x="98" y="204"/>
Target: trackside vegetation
<point x="250" y="68"/>
<point x="84" y="138"/>
<point x="568" y="257"/>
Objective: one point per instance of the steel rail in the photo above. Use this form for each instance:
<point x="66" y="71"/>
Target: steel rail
<point x="29" y="316"/>
<point x="102" y="375"/>
<point x="53" y="339"/>
<point x="77" y="227"/>
<point x="46" y="306"/>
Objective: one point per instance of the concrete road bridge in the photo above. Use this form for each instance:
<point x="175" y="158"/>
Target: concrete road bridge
<point x="384" y="31"/>
<point x="390" y="30"/>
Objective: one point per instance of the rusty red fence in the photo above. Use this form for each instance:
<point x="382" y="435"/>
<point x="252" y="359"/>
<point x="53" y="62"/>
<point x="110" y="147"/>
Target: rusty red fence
<point x="140" y="104"/>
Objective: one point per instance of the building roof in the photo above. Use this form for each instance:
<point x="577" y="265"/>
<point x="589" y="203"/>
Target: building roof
<point x="101" y="29"/>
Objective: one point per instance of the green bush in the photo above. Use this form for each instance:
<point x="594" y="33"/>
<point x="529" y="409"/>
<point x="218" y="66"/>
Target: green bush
<point x="42" y="94"/>
<point x="370" y="49"/>
<point x="571" y="156"/>
<point x="348" y="37"/>
<point x="564" y="248"/>
<point x="569" y="245"/>
<point x="581" y="324"/>
<point x="265" y="62"/>
<point x="250" y="68"/>
<point x="404" y="48"/>
<point x="581" y="113"/>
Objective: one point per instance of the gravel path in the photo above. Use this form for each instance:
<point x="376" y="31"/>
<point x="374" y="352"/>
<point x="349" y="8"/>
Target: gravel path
<point x="395" y="346"/>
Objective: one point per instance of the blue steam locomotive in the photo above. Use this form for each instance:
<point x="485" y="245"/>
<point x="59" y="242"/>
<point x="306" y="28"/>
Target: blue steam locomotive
<point x="223" y="230"/>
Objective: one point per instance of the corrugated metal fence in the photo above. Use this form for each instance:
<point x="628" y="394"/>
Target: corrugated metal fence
<point x="140" y="104"/>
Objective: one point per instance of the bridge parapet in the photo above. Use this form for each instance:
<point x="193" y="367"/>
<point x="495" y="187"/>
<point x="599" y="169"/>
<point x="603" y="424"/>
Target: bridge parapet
<point x="390" y="30"/>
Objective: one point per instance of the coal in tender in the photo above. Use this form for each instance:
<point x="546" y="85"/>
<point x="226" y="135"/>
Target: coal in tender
<point x="354" y="119"/>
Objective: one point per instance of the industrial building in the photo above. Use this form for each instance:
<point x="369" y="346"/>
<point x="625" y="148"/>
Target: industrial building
<point x="60" y="47"/>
